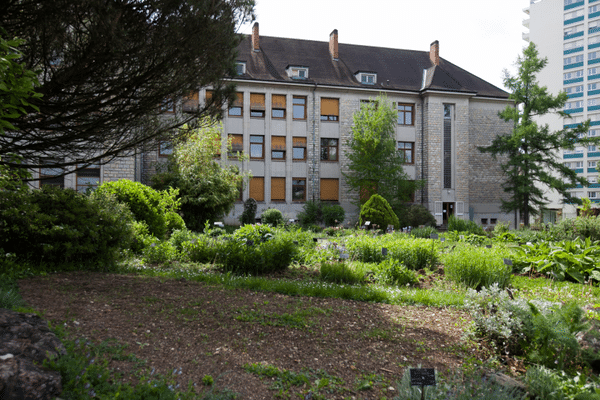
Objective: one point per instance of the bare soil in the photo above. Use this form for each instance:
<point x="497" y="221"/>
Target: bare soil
<point x="201" y="330"/>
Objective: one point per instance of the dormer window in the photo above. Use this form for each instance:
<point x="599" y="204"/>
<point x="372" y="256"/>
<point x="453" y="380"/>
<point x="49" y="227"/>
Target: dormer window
<point x="297" y="72"/>
<point x="367" y="78"/>
<point x="240" y="67"/>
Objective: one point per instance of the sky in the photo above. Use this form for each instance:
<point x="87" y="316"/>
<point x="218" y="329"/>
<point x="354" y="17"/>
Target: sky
<point x="483" y="37"/>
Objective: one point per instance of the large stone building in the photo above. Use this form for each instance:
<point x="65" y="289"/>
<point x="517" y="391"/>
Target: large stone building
<point x="293" y="116"/>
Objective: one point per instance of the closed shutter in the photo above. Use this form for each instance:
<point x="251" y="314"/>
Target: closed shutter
<point x="257" y="101"/>
<point x="299" y="141"/>
<point x="277" y="142"/>
<point x="438" y="212"/>
<point x="278" y="101"/>
<point x="330" y="189"/>
<point x="330" y="107"/>
<point x="237" y="143"/>
<point x="460" y="208"/>
<point x="257" y="189"/>
<point x="209" y="95"/>
<point x="277" y="189"/>
<point x="191" y="101"/>
<point x="239" y="100"/>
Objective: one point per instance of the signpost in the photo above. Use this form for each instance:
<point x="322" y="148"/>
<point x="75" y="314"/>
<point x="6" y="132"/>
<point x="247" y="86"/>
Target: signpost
<point x="422" y="377"/>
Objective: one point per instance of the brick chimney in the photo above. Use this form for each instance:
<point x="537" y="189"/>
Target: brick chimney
<point x="434" y="53"/>
<point x="255" y="37"/>
<point x="333" y="44"/>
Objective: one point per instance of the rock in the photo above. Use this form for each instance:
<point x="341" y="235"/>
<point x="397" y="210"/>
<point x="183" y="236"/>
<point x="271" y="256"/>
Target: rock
<point x="25" y="342"/>
<point x="507" y="382"/>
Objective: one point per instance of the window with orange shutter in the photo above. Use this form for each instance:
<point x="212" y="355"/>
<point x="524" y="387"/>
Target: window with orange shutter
<point x="278" y="148"/>
<point x="278" y="105"/>
<point x="237" y="145"/>
<point x="257" y="188"/>
<point x="257" y="105"/>
<point x="330" y="109"/>
<point x="191" y="102"/>
<point x="330" y="189"/>
<point x="277" y="189"/>
<point x="298" y="148"/>
<point x="236" y="109"/>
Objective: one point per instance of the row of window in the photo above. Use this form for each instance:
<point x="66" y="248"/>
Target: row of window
<point x="578" y="44"/>
<point x="579" y="88"/>
<point x="329" y="188"/>
<point x="577" y="30"/>
<point x="580" y="150"/>
<point x="329" y="148"/>
<point x="85" y="179"/>
<point x="330" y="107"/>
<point x="581" y="12"/>
<point x="579" y="73"/>
<point x="579" y="103"/>
<point x="579" y="164"/>
<point x="592" y="55"/>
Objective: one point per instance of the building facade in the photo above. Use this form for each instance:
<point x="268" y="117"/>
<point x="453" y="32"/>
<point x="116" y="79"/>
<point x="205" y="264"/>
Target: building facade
<point x="567" y="33"/>
<point x="294" y="112"/>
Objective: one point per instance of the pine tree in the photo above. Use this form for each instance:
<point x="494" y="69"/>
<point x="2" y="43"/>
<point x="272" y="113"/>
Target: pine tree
<point x="528" y="154"/>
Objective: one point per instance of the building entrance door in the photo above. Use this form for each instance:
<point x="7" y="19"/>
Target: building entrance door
<point x="447" y="211"/>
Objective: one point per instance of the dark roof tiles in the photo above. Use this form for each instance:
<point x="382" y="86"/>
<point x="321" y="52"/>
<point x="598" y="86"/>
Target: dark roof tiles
<point x="396" y="69"/>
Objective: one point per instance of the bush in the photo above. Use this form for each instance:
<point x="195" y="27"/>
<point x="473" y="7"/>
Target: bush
<point x="63" y="228"/>
<point x="415" y="254"/>
<point x="477" y="267"/>
<point x="174" y="221"/>
<point x="463" y="225"/>
<point x="333" y="214"/>
<point x="414" y="215"/>
<point x="146" y="204"/>
<point x="249" y="214"/>
<point x="201" y="249"/>
<point x="580" y="227"/>
<point x="256" y="233"/>
<point x="311" y="213"/>
<point x="159" y="252"/>
<point x="378" y="211"/>
<point x="340" y="272"/>
<point x="393" y="272"/>
<point x="272" y="216"/>
<point x="423" y="233"/>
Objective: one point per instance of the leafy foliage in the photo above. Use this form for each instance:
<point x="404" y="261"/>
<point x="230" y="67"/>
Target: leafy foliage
<point x="249" y="214"/>
<point x="378" y="211"/>
<point x="315" y="212"/>
<point x="414" y="215"/>
<point x="461" y="225"/>
<point x="477" y="267"/>
<point x="104" y="69"/>
<point x="333" y="214"/>
<point x="528" y="153"/>
<point x="415" y="254"/>
<point x="374" y="163"/>
<point x="272" y="216"/>
<point x="146" y="204"/>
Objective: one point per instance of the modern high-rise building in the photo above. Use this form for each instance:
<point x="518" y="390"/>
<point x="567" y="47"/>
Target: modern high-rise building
<point x="567" y="33"/>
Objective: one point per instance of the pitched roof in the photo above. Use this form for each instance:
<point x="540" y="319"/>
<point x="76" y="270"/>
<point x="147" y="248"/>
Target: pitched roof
<point x="396" y="69"/>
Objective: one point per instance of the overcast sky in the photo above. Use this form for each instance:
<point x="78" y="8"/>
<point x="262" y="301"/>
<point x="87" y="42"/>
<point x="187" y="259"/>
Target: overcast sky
<point x="483" y="37"/>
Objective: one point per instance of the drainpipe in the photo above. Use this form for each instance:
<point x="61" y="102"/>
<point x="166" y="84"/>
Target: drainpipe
<point x="422" y="148"/>
<point x="314" y="142"/>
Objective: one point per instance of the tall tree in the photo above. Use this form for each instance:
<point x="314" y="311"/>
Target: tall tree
<point x="528" y="154"/>
<point x="106" y="66"/>
<point x="374" y="163"/>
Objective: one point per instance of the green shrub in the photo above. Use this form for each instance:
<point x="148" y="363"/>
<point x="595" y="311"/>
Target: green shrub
<point x="311" y="213"/>
<point x="174" y="221"/>
<point x="256" y="233"/>
<point x="415" y="254"/>
<point x="393" y="272"/>
<point x="201" y="249"/>
<point x="63" y="228"/>
<point x="146" y="204"/>
<point x="258" y="257"/>
<point x="249" y="214"/>
<point x="378" y="211"/>
<point x="423" y="233"/>
<point x="463" y="225"/>
<point x="272" y="216"/>
<point x="580" y="227"/>
<point x="340" y="272"/>
<point x="414" y="215"/>
<point x="159" y="252"/>
<point x="180" y="236"/>
<point x="333" y="214"/>
<point x="477" y="267"/>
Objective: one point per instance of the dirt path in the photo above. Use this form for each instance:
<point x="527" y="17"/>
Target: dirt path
<point x="207" y="330"/>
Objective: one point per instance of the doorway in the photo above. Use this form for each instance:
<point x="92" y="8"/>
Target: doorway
<point x="447" y="211"/>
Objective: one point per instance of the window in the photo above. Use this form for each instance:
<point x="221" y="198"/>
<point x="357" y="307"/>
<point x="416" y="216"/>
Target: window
<point x="571" y="30"/>
<point x="191" y="102"/>
<point x="330" y="189"/>
<point x="299" y="107"/>
<point x="593" y="9"/>
<point x="330" y="109"/>
<point x="299" y="189"/>
<point x="257" y="188"/>
<point x="592" y="195"/>
<point x="594" y="40"/>
<point x="573" y="59"/>
<point x="593" y="102"/>
<point x="567" y="164"/>
<point x="592" y="55"/>
<point x="257" y="105"/>
<point x="405" y="114"/>
<point x="592" y="179"/>
<point x="593" y="71"/>
<point x="568" y="2"/>
<point x="579" y="150"/>
<point x="297" y="72"/>
<point x="592" y="117"/>
<point x="591" y="164"/>
<point x="573" y="45"/>
<point x="299" y="148"/>
<point x="240" y="67"/>
<point x="237" y="145"/>
<point x="574" y="89"/>
<point x="579" y="164"/>
<point x="257" y="147"/>
<point x="165" y="148"/>
<point x="493" y="221"/>
<point x="593" y="133"/>
<point x="167" y="106"/>
<point x="592" y="86"/>
<point x="277" y="189"/>
<point x="88" y="178"/>
<point x="484" y="221"/>
<point x="236" y="109"/>
<point x="278" y="148"/>
<point x="574" y="14"/>
<point x="329" y="149"/>
<point x="447" y="145"/>
<point x="366" y="78"/>
<point x="574" y="74"/>
<point x="278" y="106"/>
<point x="49" y="176"/>
<point x="573" y="105"/>
<point x="408" y="151"/>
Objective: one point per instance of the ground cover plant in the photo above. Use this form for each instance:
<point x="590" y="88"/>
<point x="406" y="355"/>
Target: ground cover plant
<point x="342" y="311"/>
